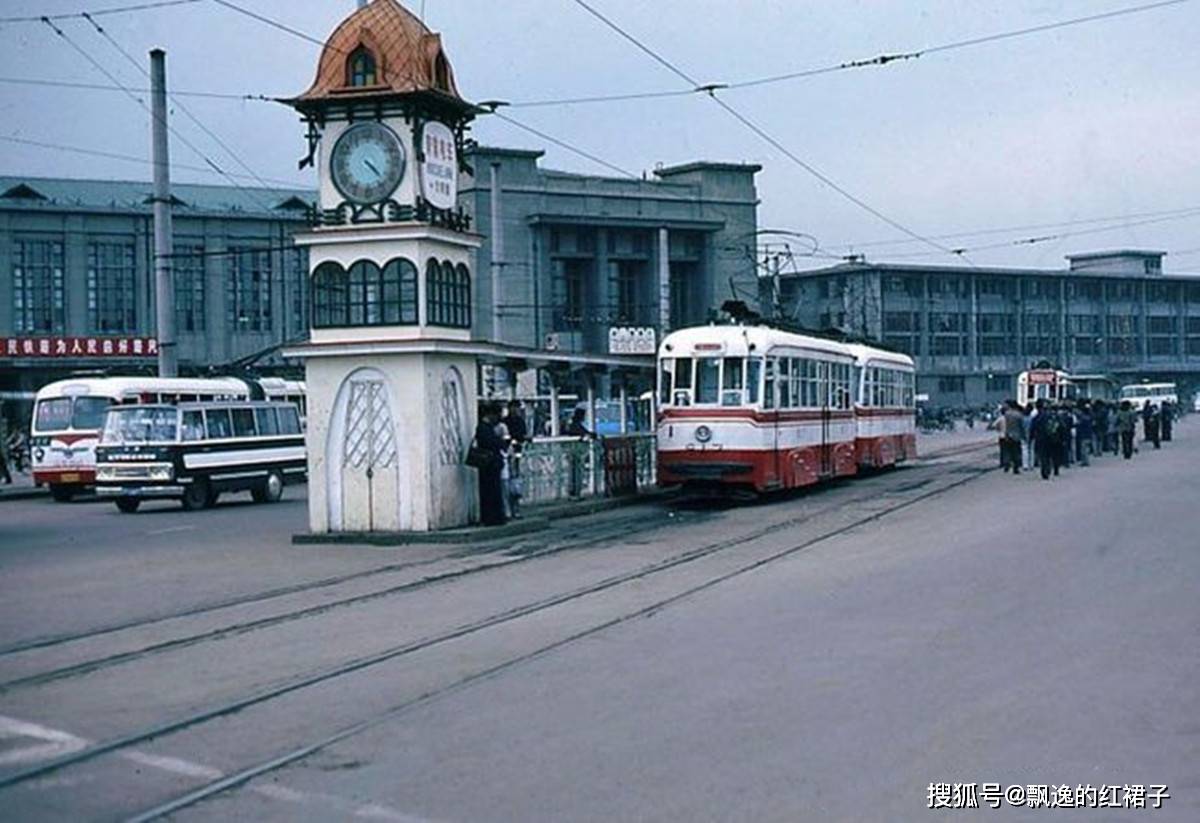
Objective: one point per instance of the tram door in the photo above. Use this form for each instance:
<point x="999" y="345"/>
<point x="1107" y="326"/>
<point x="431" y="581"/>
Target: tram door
<point x="826" y="451"/>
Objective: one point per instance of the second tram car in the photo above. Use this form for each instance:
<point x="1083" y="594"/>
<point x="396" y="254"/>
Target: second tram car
<point x="758" y="408"/>
<point x="1051" y="385"/>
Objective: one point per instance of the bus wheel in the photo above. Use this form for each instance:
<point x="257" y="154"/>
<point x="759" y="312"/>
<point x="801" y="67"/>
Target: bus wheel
<point x="128" y="504"/>
<point x="195" y="496"/>
<point x="61" y="493"/>
<point x="271" y="489"/>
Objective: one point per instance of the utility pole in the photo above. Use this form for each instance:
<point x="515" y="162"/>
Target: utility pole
<point x="497" y="248"/>
<point x="164" y="283"/>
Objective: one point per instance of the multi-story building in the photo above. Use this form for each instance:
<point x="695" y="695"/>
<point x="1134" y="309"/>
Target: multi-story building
<point x="972" y="330"/>
<point x="581" y="254"/>
<point x="77" y="276"/>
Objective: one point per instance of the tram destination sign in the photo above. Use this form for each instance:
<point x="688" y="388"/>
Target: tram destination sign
<point x="90" y="347"/>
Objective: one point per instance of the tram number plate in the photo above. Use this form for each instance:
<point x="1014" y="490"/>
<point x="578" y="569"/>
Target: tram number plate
<point x="69" y="477"/>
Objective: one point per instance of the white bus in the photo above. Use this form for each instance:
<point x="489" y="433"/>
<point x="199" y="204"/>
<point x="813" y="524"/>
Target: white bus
<point x="68" y="416"/>
<point x="1139" y="394"/>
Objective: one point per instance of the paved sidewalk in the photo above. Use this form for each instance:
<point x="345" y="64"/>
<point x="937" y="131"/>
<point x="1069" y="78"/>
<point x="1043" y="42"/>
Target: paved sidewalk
<point x="22" y="487"/>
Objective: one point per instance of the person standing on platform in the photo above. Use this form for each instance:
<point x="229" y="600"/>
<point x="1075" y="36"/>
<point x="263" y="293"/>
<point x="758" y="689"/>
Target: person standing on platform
<point x="4" y="447"/>
<point x="491" y="491"/>
<point x="1013" y="432"/>
<point x="518" y="433"/>
<point x="1045" y="434"/>
<point x="1084" y="433"/>
<point x="1126" y="427"/>
<point x="577" y="428"/>
<point x="1030" y="453"/>
<point x="1150" y="424"/>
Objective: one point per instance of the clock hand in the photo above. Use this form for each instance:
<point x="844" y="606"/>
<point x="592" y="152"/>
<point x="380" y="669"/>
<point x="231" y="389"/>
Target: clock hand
<point x="371" y="166"/>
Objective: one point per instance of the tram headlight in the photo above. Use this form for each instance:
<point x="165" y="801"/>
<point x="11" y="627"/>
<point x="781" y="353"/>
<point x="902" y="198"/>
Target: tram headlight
<point x="703" y="434"/>
<point x="39" y="454"/>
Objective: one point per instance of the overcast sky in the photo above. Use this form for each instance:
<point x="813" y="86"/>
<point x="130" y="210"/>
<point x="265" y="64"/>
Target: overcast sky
<point x="1099" y="120"/>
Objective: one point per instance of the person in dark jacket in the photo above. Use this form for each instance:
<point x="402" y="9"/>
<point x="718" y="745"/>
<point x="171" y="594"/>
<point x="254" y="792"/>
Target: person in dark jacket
<point x="1046" y="436"/>
<point x="491" y="488"/>
<point x="1150" y="423"/>
<point x="1127" y="427"/>
<point x="1167" y="413"/>
<point x="1083" y="433"/>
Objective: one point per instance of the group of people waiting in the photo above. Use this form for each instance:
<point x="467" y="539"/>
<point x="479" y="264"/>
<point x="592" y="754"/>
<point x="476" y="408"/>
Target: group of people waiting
<point x="500" y="438"/>
<point x="1051" y="435"/>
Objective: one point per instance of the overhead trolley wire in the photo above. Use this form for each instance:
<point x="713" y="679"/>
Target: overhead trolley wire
<point x="67" y="84"/>
<point x="179" y="104"/>
<point x="100" y="67"/>
<point x="847" y="65"/>
<point x="37" y="18"/>
<point x="712" y="89"/>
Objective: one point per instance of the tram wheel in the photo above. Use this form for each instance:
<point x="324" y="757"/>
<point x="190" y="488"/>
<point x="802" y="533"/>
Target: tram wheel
<point x="128" y="504"/>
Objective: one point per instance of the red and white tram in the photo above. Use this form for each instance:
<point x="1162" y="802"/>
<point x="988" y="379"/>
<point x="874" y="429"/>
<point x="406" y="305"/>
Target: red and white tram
<point x="752" y="407"/>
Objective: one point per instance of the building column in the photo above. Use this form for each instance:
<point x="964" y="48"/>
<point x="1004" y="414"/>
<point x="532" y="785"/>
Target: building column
<point x="973" y="327"/>
<point x="664" y="281"/>
<point x="1062" y="323"/>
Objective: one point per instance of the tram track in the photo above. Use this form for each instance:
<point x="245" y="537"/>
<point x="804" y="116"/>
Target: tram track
<point x="516" y="551"/>
<point x="229" y="708"/>
<point x="298" y="753"/>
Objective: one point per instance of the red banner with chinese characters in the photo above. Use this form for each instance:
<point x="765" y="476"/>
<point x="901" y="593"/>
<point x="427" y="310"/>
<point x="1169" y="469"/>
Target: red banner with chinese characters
<point x="78" y="347"/>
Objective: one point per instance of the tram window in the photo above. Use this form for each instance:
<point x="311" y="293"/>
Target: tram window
<point x="771" y="366"/>
<point x="243" y="422"/>
<point x="708" y="376"/>
<point x="217" y="423"/>
<point x="289" y="420"/>
<point x="665" y="373"/>
<point x="731" y="382"/>
<point x="785" y="382"/>
<point x="753" y="376"/>
<point x="192" y="427"/>
<point x="268" y="426"/>
<point x="683" y="381"/>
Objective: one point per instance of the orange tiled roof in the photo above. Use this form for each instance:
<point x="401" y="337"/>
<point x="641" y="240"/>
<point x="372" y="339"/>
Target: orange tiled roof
<point x="408" y="56"/>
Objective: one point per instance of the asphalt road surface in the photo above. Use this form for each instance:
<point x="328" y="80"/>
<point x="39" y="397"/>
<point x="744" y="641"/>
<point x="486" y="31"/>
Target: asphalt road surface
<point x="824" y="656"/>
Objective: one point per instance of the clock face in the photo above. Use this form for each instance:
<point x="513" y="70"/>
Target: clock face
<point x="367" y="163"/>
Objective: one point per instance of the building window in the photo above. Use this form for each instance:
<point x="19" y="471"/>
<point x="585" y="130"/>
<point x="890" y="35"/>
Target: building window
<point x="361" y="68"/>
<point x="39" y="303"/>
<point x="248" y="297"/>
<point x="625" y="278"/>
<point x="682" y="277"/>
<point x="569" y="289"/>
<point x="1086" y="289"/>
<point x="365" y="292"/>
<point x="448" y="294"/>
<point x="901" y="321"/>
<point x="997" y="287"/>
<point x="909" y="285"/>
<point x="188" y="271"/>
<point x="999" y="382"/>
<point x="400" y="292"/>
<point x="1122" y="290"/>
<point x="951" y="385"/>
<point x="945" y="346"/>
<point x="997" y="346"/>
<point x="110" y="287"/>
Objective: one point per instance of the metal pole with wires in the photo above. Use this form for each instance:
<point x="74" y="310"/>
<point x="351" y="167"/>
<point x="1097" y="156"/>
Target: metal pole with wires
<point x="164" y="283"/>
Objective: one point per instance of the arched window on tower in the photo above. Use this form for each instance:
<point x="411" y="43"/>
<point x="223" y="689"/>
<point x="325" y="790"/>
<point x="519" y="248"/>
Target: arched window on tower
<point x="400" y="293"/>
<point x="360" y="68"/>
<point x="448" y="294"/>
<point x="328" y="296"/>
<point x="364" y="294"/>
<point x="463" y="293"/>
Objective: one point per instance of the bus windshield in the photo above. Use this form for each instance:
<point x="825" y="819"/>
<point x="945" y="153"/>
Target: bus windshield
<point x="140" y="424"/>
<point x="61" y="413"/>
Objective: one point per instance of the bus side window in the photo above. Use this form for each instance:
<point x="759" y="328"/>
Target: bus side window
<point x="193" y="426"/>
<point x="268" y="426"/>
<point x="243" y="422"/>
<point x="217" y="423"/>
<point x="289" y="421"/>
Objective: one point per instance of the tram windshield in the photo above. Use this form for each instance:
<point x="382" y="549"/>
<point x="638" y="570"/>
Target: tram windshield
<point x="140" y="424"/>
<point x="709" y="381"/>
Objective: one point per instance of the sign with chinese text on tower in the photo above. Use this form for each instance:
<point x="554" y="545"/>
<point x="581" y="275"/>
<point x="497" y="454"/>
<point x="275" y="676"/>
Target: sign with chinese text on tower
<point x="439" y="170"/>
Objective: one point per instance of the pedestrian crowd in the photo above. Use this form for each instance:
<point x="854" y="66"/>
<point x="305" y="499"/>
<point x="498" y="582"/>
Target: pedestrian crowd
<point x="1051" y="435"/>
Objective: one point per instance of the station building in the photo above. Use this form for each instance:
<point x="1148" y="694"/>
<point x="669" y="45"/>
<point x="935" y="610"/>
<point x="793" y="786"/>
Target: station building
<point x="972" y="330"/>
<point x="77" y="276"/>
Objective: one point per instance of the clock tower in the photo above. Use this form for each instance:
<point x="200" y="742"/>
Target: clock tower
<point x="391" y="379"/>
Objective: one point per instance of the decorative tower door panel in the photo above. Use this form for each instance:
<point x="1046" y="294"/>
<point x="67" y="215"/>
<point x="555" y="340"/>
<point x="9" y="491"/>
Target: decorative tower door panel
<point x="366" y="478"/>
